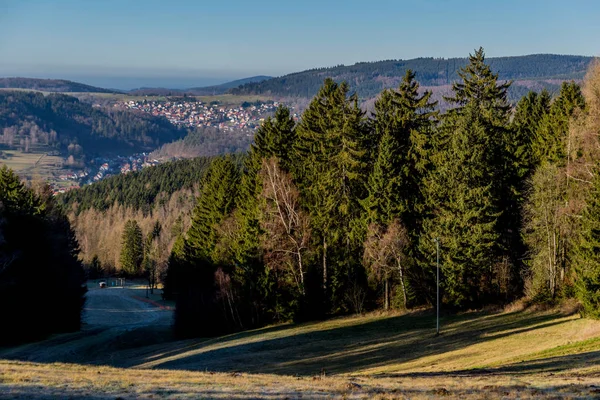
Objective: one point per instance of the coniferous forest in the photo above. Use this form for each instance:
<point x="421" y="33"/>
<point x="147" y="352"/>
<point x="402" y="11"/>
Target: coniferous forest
<point x="340" y="212"/>
<point x="42" y="282"/>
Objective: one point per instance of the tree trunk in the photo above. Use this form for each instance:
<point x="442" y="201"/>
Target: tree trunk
<point x="402" y="285"/>
<point x="386" y="303"/>
<point x="324" y="267"/>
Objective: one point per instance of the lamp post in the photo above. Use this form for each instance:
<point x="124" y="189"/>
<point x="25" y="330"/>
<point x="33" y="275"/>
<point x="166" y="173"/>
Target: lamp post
<point x="437" y="248"/>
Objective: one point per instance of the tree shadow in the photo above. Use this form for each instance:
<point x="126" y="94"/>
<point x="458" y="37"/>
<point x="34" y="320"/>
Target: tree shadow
<point x="305" y="349"/>
<point x="348" y="349"/>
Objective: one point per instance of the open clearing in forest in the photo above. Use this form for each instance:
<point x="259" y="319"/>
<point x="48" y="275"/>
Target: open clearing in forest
<point x="34" y="165"/>
<point x="521" y="354"/>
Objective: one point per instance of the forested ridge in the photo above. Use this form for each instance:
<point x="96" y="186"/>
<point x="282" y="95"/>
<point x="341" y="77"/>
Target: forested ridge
<point x="139" y="189"/>
<point x="50" y="85"/>
<point x="76" y="127"/>
<point x="368" y="79"/>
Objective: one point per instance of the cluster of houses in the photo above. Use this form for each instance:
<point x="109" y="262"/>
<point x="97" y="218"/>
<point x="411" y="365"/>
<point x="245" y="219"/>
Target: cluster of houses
<point x="196" y="113"/>
<point x="106" y="167"/>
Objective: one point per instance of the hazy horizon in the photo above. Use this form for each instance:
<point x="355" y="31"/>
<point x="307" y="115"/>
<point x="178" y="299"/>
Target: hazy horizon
<point x="186" y="43"/>
<point x="126" y="79"/>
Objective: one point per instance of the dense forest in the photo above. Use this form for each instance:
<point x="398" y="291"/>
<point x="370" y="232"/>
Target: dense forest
<point x="42" y="283"/>
<point x="28" y="119"/>
<point x="341" y="211"/>
<point x="207" y="141"/>
<point x="159" y="200"/>
<point x="50" y="85"/>
<point x="368" y="79"/>
<point x="138" y="190"/>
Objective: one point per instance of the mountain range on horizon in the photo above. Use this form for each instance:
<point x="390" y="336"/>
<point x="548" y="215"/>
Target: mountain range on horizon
<point x="536" y="71"/>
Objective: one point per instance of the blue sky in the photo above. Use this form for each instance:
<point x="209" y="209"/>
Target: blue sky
<point x="221" y="40"/>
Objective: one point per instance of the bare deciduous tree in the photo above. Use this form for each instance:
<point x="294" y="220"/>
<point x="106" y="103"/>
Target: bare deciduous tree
<point x="385" y="255"/>
<point x="286" y="226"/>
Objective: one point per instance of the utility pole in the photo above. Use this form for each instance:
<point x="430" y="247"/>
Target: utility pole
<point x="437" y="247"/>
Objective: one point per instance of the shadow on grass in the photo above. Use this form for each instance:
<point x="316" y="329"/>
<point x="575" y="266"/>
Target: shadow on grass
<point x="543" y="365"/>
<point x="310" y="348"/>
<point x="348" y="349"/>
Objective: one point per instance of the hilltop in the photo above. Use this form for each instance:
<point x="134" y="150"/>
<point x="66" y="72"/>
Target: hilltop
<point x="199" y="91"/>
<point x="369" y="78"/>
<point x="51" y="85"/>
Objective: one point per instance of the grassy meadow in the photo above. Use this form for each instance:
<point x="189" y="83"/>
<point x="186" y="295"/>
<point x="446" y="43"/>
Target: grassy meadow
<point x="34" y="165"/>
<point x="518" y="354"/>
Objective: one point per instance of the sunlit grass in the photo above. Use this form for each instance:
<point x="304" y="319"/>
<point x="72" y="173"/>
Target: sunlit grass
<point x="478" y="355"/>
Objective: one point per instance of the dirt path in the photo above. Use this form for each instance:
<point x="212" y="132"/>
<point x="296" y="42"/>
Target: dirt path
<point x="113" y="320"/>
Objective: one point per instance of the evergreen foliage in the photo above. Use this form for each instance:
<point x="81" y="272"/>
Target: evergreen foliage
<point x="338" y="213"/>
<point x="41" y="279"/>
<point x="587" y="254"/>
<point x="369" y="78"/>
<point x="132" y="249"/>
<point x="330" y="164"/>
<point x="138" y="190"/>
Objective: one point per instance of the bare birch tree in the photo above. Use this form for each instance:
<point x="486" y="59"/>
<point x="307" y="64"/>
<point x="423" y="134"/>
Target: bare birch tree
<point x="286" y="227"/>
<point x="385" y="255"/>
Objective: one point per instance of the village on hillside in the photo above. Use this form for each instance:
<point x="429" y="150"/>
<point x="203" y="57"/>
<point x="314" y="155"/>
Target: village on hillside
<point x="194" y="113"/>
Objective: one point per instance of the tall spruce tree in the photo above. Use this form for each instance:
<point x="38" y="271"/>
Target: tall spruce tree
<point x="216" y="200"/>
<point x="528" y="115"/>
<point x="274" y="138"/>
<point x="329" y="166"/>
<point x="553" y="130"/>
<point x="198" y="310"/>
<point x="587" y="254"/>
<point x="471" y="202"/>
<point x="403" y="123"/>
<point x="132" y="248"/>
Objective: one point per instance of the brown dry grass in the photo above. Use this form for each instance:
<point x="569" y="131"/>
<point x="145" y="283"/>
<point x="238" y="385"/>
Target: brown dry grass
<point x="31" y="380"/>
<point x="479" y="355"/>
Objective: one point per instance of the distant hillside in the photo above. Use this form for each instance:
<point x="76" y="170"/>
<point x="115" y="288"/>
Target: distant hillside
<point x="199" y="91"/>
<point x="369" y="78"/>
<point x="29" y="119"/>
<point x="50" y="85"/>
<point x="138" y="190"/>
<point x="223" y="88"/>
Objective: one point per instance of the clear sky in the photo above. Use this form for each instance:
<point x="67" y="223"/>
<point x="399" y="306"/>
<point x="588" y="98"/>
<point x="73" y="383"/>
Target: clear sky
<point x="224" y="39"/>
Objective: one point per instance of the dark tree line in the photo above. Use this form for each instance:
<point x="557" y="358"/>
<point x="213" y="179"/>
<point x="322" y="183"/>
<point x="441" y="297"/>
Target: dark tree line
<point x="138" y="190"/>
<point x="337" y="213"/>
<point x="41" y="279"/>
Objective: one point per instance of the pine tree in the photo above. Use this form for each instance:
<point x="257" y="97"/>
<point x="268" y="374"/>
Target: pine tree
<point x="132" y="248"/>
<point x="41" y="278"/>
<point x="470" y="197"/>
<point x="274" y="138"/>
<point x="587" y="254"/>
<point x="216" y="200"/>
<point x="529" y="113"/>
<point x="463" y="216"/>
<point x="95" y="269"/>
<point x="403" y="123"/>
<point x="553" y="130"/>
<point x="329" y="166"/>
